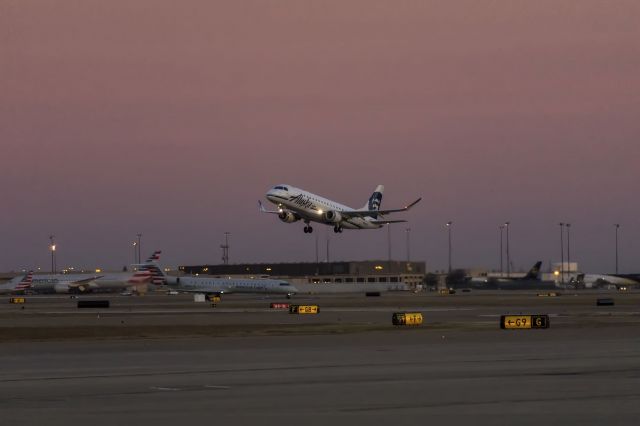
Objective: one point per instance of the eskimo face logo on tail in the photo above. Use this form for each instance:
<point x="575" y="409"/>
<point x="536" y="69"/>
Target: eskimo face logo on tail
<point x="374" y="202"/>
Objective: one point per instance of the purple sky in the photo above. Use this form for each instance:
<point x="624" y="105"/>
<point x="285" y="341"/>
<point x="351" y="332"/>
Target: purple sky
<point x="173" y="118"/>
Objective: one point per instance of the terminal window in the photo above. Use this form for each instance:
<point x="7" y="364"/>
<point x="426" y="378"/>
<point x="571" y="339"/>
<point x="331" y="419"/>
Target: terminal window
<point x="348" y="280"/>
<point x="360" y="280"/>
<point x="394" y="279"/>
<point x="383" y="279"/>
<point x="371" y="280"/>
<point x="338" y="280"/>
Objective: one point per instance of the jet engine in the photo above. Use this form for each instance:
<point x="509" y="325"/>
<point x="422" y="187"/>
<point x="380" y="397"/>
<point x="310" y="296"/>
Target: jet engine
<point x="332" y="216"/>
<point x="288" y="217"/>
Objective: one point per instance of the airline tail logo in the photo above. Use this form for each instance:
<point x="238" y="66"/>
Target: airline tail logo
<point x="140" y="277"/>
<point x="375" y="200"/>
<point x="155" y="256"/>
<point x="157" y="277"/>
<point x="535" y="271"/>
<point x="26" y="282"/>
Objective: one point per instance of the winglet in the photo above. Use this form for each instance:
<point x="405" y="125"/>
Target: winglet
<point x="413" y="204"/>
<point x="263" y="210"/>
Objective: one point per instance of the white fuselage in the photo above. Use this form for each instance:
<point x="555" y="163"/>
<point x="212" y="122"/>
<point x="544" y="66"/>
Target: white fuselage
<point x="230" y="285"/>
<point x="311" y="207"/>
<point x="591" y="280"/>
<point x="62" y="283"/>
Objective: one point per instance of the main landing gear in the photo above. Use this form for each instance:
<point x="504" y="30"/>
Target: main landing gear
<point x="308" y="229"/>
<point x="337" y="229"/>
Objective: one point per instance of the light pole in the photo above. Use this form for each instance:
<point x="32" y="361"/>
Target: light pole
<point x="388" y="246"/>
<point x="52" y="247"/>
<point x="225" y="249"/>
<point x="568" y="225"/>
<point x="501" y="227"/>
<point x="139" y="247"/>
<point x="449" y="232"/>
<point x="317" y="258"/>
<point x="561" y="252"/>
<point x="617" y="225"/>
<point x="327" y="244"/>
<point x="408" y="231"/>
<point x="135" y="252"/>
<point x="506" y="225"/>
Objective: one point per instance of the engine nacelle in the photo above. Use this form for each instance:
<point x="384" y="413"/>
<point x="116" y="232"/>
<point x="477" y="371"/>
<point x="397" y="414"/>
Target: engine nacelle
<point x="333" y="216"/>
<point x="288" y="217"/>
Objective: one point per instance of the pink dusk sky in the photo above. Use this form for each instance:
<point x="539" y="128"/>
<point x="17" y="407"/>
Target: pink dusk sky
<point x="172" y="118"/>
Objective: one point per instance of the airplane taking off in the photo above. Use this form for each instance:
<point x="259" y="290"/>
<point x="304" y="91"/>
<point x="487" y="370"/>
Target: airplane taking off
<point x="296" y="204"/>
<point x="20" y="284"/>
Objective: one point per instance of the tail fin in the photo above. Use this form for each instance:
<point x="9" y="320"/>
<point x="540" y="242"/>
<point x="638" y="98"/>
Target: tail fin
<point x="140" y="277"/>
<point x="155" y="256"/>
<point x="534" y="273"/>
<point x="26" y="282"/>
<point x="375" y="201"/>
<point x="151" y="265"/>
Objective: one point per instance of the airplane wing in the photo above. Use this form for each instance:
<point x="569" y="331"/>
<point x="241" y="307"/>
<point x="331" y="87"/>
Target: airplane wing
<point x="365" y="213"/>
<point x="202" y="291"/>
<point x="386" y="222"/>
<point x="79" y="283"/>
<point x="263" y="210"/>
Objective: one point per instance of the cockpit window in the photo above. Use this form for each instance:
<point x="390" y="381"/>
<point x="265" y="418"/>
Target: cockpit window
<point x="284" y="284"/>
<point x="284" y="188"/>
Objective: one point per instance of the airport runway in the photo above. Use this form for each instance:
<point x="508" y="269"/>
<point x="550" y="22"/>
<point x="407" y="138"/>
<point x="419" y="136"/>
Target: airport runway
<point x="458" y="368"/>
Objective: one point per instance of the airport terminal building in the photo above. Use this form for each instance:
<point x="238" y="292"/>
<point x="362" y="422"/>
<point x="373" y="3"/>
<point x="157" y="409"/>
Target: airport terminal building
<point x="378" y="274"/>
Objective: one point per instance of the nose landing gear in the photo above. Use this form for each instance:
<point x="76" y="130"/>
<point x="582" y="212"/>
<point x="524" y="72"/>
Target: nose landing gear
<point x="337" y="229"/>
<point x="308" y="229"/>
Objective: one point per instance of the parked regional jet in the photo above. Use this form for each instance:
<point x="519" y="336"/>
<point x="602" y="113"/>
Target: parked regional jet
<point x="296" y="204"/>
<point x="19" y="284"/>
<point x="211" y="285"/>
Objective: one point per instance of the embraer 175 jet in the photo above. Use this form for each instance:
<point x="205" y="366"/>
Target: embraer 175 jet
<point x="296" y="204"/>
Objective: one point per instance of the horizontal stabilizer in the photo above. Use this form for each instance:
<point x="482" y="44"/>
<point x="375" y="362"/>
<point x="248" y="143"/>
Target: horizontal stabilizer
<point x="374" y="213"/>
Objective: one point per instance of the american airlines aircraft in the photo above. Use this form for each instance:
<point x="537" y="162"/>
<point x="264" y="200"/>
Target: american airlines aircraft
<point x="211" y="285"/>
<point x="20" y="284"/>
<point x="296" y="204"/>
<point x="79" y="283"/>
<point x="63" y="283"/>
